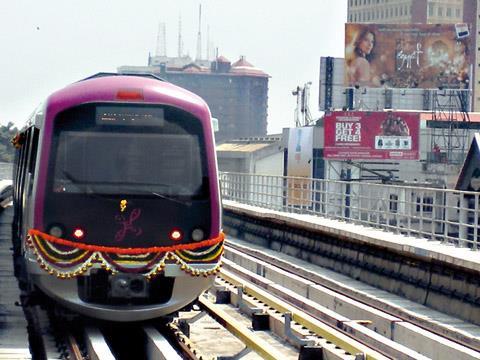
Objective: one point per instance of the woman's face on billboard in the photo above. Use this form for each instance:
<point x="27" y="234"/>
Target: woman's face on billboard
<point x="366" y="43"/>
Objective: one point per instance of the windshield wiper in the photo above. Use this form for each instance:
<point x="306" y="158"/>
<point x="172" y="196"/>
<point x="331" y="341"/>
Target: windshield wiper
<point x="149" y="192"/>
<point x="85" y="187"/>
<point x="188" y="203"/>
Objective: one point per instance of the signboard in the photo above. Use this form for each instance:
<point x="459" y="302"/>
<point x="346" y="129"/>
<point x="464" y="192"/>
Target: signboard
<point x="428" y="56"/>
<point x="300" y="164"/>
<point x="371" y="135"/>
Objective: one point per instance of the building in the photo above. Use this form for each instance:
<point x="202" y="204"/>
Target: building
<point x="259" y="155"/>
<point x="426" y="12"/>
<point x="476" y="84"/>
<point x="237" y="93"/>
<point x="409" y="11"/>
<point x="436" y="169"/>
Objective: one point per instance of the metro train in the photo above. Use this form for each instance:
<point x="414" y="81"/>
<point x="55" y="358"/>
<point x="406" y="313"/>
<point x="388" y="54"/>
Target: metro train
<point x="117" y="211"/>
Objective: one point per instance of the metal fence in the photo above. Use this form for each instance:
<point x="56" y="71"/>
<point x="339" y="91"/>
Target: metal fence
<point x="436" y="214"/>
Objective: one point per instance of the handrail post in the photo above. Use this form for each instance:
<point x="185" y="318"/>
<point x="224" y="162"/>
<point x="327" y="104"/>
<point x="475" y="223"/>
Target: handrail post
<point x="462" y="220"/>
<point x="475" y="228"/>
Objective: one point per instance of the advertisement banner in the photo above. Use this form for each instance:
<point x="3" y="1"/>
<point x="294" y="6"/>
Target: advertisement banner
<point x="371" y="135"/>
<point x="427" y="56"/>
<point x="300" y="164"/>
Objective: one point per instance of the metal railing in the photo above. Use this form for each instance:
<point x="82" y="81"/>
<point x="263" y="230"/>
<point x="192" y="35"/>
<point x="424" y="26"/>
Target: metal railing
<point x="445" y="215"/>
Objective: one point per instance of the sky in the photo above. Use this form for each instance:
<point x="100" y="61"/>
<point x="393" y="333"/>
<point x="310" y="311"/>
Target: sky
<point x="48" y="44"/>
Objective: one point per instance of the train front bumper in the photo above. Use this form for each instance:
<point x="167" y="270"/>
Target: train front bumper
<point x="186" y="288"/>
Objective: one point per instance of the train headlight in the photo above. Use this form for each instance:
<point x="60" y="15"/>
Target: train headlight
<point x="198" y="234"/>
<point x="56" y="231"/>
<point x="176" y="235"/>
<point x="79" y="233"/>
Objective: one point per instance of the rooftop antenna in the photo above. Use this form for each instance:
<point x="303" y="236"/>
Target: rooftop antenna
<point x="208" y="42"/>
<point x="180" y="40"/>
<point x="302" y="116"/>
<point x="199" y="35"/>
<point x="161" y="40"/>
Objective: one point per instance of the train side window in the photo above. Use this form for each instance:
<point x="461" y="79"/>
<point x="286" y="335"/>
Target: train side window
<point x="23" y="159"/>
<point x="32" y="159"/>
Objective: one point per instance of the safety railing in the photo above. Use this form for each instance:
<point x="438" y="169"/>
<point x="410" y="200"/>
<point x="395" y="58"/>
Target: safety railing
<point x="436" y="214"/>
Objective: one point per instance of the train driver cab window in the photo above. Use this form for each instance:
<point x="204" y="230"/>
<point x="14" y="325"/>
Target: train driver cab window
<point x="155" y="151"/>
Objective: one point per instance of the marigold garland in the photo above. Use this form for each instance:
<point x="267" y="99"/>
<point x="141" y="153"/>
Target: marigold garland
<point x="118" y="250"/>
<point x="97" y="257"/>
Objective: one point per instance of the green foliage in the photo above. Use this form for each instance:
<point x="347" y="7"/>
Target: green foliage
<point x="7" y="151"/>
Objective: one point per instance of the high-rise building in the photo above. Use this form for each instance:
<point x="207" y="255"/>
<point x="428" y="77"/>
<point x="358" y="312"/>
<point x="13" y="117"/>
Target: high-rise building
<point x="237" y="93"/>
<point x="476" y="84"/>
<point x="425" y="12"/>
<point x="407" y="11"/>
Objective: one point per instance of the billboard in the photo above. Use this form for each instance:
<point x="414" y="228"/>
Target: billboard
<point x="427" y="56"/>
<point x="300" y="164"/>
<point x="358" y="135"/>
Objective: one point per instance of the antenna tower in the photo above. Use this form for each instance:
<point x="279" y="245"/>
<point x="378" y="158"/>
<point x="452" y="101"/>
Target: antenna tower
<point x="303" y="116"/>
<point x="161" y="40"/>
<point x="199" y="35"/>
<point x="208" y="43"/>
<point x="180" y="40"/>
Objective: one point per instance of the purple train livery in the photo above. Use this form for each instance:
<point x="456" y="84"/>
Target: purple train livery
<point x="117" y="211"/>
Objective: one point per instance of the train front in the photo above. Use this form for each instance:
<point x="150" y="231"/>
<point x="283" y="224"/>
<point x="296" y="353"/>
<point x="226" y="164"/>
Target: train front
<point x="127" y="223"/>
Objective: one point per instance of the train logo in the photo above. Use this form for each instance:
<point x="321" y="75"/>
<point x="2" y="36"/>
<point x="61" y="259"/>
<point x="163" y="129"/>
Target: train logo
<point x="127" y="225"/>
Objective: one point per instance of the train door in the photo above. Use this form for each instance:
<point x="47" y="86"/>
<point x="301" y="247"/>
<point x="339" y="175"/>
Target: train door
<point x="32" y="148"/>
<point x="24" y="176"/>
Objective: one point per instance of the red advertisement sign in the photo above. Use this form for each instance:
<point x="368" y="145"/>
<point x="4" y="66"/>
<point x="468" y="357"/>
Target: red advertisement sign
<point x="362" y="135"/>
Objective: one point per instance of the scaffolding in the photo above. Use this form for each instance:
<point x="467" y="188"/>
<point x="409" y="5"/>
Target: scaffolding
<point x="449" y="126"/>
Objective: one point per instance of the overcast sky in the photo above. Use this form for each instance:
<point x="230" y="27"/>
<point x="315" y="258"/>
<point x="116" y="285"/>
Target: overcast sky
<point x="48" y="44"/>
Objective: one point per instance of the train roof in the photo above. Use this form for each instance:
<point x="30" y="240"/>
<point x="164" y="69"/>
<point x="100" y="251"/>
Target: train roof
<point x="105" y="74"/>
<point x="112" y="87"/>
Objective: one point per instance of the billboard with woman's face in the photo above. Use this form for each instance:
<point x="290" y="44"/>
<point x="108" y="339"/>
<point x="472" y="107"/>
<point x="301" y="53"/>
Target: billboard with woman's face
<point x="407" y="56"/>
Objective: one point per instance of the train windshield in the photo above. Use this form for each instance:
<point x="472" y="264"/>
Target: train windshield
<point x="131" y="150"/>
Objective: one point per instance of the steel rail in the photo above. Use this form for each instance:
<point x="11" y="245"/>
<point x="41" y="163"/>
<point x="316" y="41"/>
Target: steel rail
<point x="422" y="322"/>
<point x="240" y="331"/>
<point x="321" y="329"/>
<point x="183" y="342"/>
<point x="74" y="347"/>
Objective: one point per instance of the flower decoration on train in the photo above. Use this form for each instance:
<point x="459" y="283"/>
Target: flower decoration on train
<point x="66" y="259"/>
<point x="123" y="205"/>
<point x="18" y="140"/>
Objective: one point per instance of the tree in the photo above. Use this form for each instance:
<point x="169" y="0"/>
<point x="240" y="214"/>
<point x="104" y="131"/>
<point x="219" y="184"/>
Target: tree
<point x="7" y="151"/>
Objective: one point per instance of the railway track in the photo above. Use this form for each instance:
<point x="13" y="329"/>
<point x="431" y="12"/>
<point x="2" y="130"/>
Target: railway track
<point x="260" y="307"/>
<point x="84" y="339"/>
<point x="393" y="331"/>
<point x="225" y="323"/>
